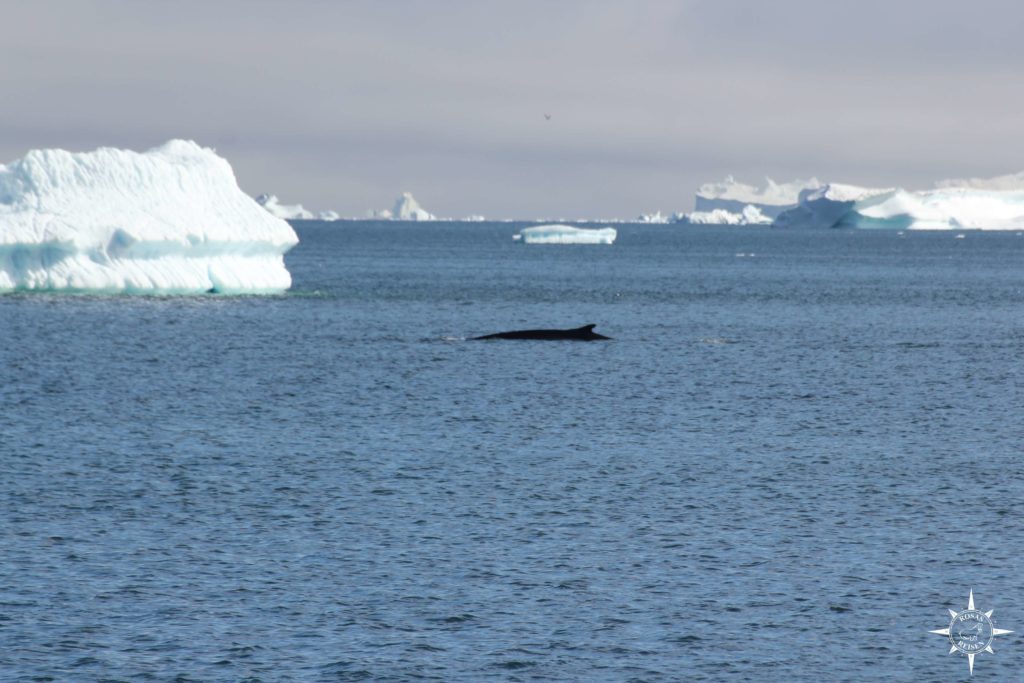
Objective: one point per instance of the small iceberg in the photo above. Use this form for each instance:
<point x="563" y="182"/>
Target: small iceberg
<point x="565" y="234"/>
<point x="750" y="215"/>
<point x="288" y="212"/>
<point x="655" y="217"/>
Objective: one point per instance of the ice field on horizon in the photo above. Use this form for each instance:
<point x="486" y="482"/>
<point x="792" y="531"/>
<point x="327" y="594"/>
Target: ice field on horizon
<point x="565" y="234"/>
<point x="955" y="204"/>
<point x="168" y="220"/>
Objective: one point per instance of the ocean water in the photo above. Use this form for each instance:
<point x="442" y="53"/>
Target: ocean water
<point x="798" y="451"/>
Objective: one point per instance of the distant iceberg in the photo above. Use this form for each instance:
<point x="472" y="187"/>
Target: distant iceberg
<point x="169" y="220"/>
<point x="950" y="208"/>
<point x="289" y="212"/>
<point x="655" y="217"/>
<point x="734" y="197"/>
<point x="293" y="212"/>
<point x="565" y="234"/>
<point x="750" y="215"/>
<point x="408" y="209"/>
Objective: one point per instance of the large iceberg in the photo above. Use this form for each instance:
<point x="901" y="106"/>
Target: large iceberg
<point x="565" y="234"/>
<point x="169" y="220"/>
<point x="949" y="208"/>
<point x="827" y="206"/>
<point x="733" y="196"/>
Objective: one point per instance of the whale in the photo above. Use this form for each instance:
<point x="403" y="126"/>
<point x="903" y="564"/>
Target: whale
<point x="585" y="333"/>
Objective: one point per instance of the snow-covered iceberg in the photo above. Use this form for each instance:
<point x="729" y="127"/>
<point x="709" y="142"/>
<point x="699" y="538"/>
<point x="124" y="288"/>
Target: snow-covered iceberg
<point x="169" y="220"/>
<point x="732" y="196"/>
<point x="750" y="215"/>
<point x="565" y="234"/>
<point x="289" y="212"/>
<point x="847" y="206"/>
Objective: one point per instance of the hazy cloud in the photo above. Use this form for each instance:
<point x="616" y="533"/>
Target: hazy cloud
<point x="345" y="104"/>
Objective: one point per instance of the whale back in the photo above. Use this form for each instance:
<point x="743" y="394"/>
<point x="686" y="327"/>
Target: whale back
<point x="584" y="333"/>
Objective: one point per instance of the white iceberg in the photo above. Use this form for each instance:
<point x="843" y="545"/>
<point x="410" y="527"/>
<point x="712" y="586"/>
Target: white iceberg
<point x="655" y="217"/>
<point x="565" y="234"/>
<point x="750" y="215"/>
<point x="408" y="209"/>
<point x="733" y="196"/>
<point x="328" y="216"/>
<point x="170" y="220"/>
<point x="847" y="206"/>
<point x="289" y="212"/>
<point x="951" y="209"/>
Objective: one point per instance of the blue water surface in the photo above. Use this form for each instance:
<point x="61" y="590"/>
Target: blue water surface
<point x="798" y="450"/>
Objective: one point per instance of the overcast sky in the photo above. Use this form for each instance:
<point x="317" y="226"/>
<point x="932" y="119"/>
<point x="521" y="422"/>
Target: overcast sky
<point x="344" y="104"/>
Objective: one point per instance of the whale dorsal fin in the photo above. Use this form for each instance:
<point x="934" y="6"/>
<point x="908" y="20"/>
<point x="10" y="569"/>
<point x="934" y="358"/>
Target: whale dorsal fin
<point x="588" y="328"/>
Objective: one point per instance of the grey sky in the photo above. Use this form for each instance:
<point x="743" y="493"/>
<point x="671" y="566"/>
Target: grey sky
<point x="345" y="104"/>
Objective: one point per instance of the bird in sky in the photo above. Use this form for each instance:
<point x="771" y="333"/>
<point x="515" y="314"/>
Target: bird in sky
<point x="547" y="117"/>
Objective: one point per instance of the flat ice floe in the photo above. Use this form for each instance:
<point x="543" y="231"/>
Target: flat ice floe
<point x="169" y="220"/>
<point x="565" y="234"/>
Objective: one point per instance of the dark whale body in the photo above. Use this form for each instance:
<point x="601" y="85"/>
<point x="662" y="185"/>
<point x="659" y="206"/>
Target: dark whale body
<point x="585" y="333"/>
